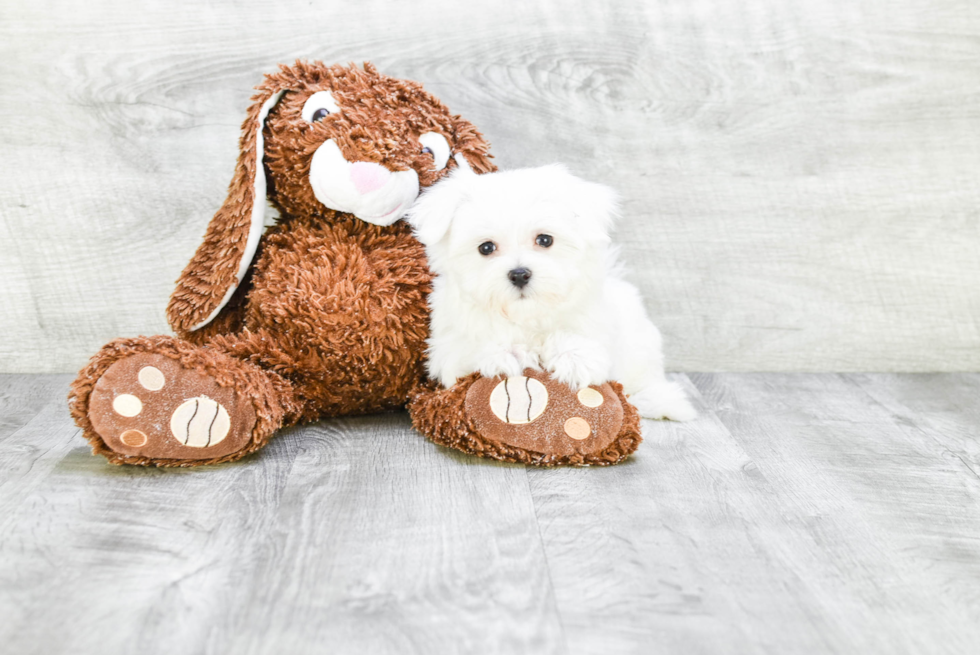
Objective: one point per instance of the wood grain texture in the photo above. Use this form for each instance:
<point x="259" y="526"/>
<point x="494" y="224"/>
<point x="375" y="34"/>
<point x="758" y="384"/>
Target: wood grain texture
<point x="801" y="513"/>
<point x="351" y="536"/>
<point x="947" y="406"/>
<point x="798" y="178"/>
<point x="878" y="522"/>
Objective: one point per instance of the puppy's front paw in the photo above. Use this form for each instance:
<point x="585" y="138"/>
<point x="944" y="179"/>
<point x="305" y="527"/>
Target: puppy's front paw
<point x="577" y="362"/>
<point x="508" y="360"/>
<point x="526" y="357"/>
<point x="502" y="363"/>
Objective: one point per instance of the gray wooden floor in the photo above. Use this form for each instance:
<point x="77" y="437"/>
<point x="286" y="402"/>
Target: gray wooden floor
<point x="802" y="513"/>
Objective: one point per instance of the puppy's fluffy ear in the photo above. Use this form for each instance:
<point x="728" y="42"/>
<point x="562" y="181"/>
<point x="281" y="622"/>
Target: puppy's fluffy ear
<point x="596" y="203"/>
<point x="432" y="214"/>
<point x="596" y="206"/>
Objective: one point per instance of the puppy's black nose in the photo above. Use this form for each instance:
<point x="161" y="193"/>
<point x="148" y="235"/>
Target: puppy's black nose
<point x="519" y="277"/>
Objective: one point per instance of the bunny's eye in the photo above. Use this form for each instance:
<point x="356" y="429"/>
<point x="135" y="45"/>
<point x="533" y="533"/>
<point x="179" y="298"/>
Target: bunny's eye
<point x="436" y="145"/>
<point x="318" y="106"/>
<point x="487" y="247"/>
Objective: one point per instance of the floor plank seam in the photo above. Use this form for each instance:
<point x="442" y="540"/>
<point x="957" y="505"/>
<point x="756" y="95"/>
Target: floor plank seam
<point x="907" y="423"/>
<point x="547" y="562"/>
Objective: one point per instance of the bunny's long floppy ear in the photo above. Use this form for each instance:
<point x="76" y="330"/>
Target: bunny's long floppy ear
<point x="223" y="259"/>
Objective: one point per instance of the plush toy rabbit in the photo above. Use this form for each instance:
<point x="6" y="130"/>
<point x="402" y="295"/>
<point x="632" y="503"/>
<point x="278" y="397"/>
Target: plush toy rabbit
<point x="323" y="313"/>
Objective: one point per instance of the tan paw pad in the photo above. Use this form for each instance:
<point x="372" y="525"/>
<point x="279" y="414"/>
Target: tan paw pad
<point x="589" y="397"/>
<point x="127" y="405"/>
<point x="133" y="438"/>
<point x="151" y="378"/>
<point x="518" y="400"/>
<point x="577" y="428"/>
<point x="200" y="422"/>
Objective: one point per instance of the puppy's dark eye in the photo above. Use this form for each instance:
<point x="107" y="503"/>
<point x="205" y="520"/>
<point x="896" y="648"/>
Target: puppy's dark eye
<point x="427" y="151"/>
<point x="487" y="248"/>
<point x="319" y="115"/>
<point x="544" y="240"/>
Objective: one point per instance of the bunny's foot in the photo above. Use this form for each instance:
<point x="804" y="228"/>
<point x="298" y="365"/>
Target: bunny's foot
<point x="165" y="402"/>
<point x="530" y="419"/>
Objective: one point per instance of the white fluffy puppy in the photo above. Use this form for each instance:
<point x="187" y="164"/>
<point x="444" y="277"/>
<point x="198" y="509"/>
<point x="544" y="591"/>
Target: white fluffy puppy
<point x="526" y="276"/>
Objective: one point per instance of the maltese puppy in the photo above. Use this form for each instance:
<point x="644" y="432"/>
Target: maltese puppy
<point x="526" y="276"/>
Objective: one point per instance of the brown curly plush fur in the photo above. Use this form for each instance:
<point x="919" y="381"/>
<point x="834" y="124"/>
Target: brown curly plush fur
<point x="339" y="310"/>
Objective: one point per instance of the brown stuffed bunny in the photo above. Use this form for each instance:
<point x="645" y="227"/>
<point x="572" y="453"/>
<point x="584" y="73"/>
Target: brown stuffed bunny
<point x="323" y="313"/>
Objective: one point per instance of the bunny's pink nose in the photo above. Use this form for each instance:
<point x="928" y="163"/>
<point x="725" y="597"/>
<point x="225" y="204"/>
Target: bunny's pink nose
<point x="367" y="176"/>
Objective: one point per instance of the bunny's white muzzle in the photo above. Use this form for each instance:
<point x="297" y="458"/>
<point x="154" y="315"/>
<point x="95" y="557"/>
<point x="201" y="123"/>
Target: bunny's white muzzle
<point x="369" y="191"/>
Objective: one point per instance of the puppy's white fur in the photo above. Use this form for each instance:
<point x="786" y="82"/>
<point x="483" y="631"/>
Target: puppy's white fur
<point x="576" y="317"/>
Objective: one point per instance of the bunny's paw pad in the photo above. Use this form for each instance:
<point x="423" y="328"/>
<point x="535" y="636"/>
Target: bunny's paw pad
<point x="539" y="415"/>
<point x="148" y="405"/>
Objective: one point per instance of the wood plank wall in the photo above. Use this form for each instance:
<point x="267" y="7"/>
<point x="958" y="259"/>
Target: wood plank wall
<point x="799" y="176"/>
